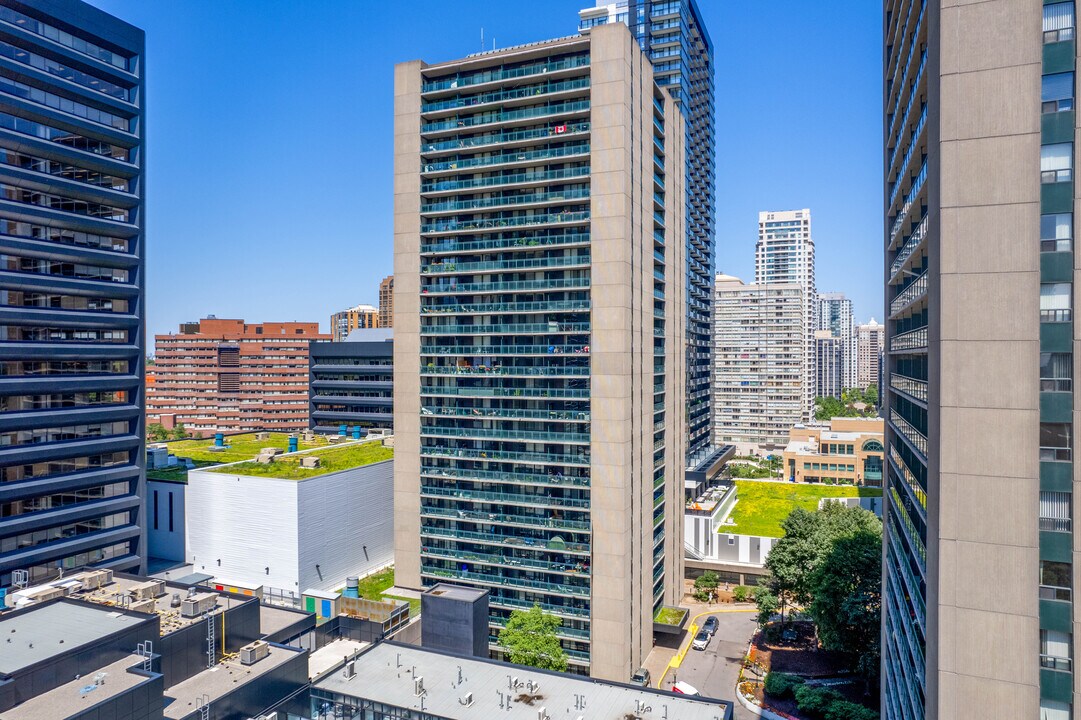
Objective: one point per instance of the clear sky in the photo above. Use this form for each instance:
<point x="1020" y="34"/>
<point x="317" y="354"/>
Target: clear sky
<point x="269" y="136"/>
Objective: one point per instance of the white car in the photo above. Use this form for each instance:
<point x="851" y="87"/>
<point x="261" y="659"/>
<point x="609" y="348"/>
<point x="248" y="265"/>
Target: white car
<point x="701" y="640"/>
<point x="684" y="688"/>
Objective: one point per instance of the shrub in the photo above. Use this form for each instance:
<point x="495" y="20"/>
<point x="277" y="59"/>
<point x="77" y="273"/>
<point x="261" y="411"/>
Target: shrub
<point x="782" y="685"/>
<point x="743" y="593"/>
<point x="845" y="710"/>
<point x="815" y="701"/>
<point x="701" y="595"/>
<point x="707" y="581"/>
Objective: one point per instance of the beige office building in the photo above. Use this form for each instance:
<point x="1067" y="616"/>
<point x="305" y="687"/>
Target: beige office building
<point x="539" y="318"/>
<point x="980" y="199"/>
<point x="758" y="363"/>
<point x="869" y="348"/>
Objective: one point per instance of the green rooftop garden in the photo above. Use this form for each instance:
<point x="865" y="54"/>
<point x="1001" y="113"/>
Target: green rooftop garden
<point x="762" y="506"/>
<point x="331" y="459"/>
<point x="239" y="447"/>
<point x="374" y="587"/>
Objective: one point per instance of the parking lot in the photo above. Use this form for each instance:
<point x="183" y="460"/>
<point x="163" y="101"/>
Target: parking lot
<point x="713" y="671"/>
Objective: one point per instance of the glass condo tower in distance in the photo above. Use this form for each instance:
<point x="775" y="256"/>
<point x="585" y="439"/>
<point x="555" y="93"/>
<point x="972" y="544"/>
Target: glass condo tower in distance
<point x="539" y="320"/>
<point x="980" y="131"/>
<point x="71" y="289"/>
<point x="673" y="36"/>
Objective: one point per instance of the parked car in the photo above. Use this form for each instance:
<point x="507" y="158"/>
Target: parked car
<point x="684" y="688"/>
<point x="641" y="677"/>
<point x="701" y="640"/>
<point x="711" y="625"/>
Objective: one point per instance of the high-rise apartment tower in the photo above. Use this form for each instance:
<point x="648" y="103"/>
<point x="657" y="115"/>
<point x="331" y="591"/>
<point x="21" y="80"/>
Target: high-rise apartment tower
<point x="673" y="35"/>
<point x="979" y="148"/>
<point x="785" y="253"/>
<point x="71" y="289"/>
<point x="869" y="347"/>
<point x="835" y="314"/>
<point x="539" y="322"/>
<point x="386" y="302"/>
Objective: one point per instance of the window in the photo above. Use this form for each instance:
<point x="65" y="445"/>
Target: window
<point x="1055" y="580"/>
<point x="1055" y="710"/>
<point x="1055" y="442"/>
<point x="1056" y="94"/>
<point x="1058" y="22"/>
<point x="1055" y="650"/>
<point x="1056" y="232"/>
<point x="1056" y="163"/>
<point x="1056" y="372"/>
<point x="1055" y="302"/>
<point x="1055" y="511"/>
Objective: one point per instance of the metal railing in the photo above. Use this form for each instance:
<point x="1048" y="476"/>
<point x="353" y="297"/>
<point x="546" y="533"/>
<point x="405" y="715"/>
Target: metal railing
<point x="914" y="436"/>
<point x="912" y="386"/>
<point x="911" y="340"/>
<point x="915" y="290"/>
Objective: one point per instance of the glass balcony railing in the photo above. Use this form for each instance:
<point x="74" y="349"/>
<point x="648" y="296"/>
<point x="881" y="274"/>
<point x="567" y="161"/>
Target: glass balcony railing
<point x="581" y="610"/>
<point x="462" y="288"/>
<point x="504" y="350"/>
<point x="508" y="561"/>
<point x="523" y="393"/>
<point x="503" y="308"/>
<point x="489" y="118"/>
<point x="503" y="580"/>
<point x="486" y="76"/>
<point x="506" y="518"/>
<point x="911" y="340"/>
<point x="520" y="178"/>
<point x="541" y="263"/>
<point x="552" y="328"/>
<point x="509" y="371"/>
<point x="498" y="223"/>
<point x="915" y="290"/>
<point x="516" y="93"/>
<point x="450" y="245"/>
<point x="1055" y="454"/>
<point x="562" y="631"/>
<point x="559" y="151"/>
<point x="510" y="413"/>
<point x="545" y="500"/>
<point x="1052" y="592"/>
<point x="502" y="138"/>
<point x="470" y="475"/>
<point x="537" y="458"/>
<point x="911" y="386"/>
<point x="538" y="436"/>
<point x="905" y="428"/>
<point x="533" y="198"/>
<point x="529" y="543"/>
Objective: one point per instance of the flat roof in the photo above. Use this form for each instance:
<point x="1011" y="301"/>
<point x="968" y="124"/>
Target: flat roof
<point x="274" y="619"/>
<point x="332" y="655"/>
<point x="332" y="459"/>
<point x="80" y="695"/>
<point x="55" y="628"/>
<point x="384" y="674"/>
<point x="181" y="699"/>
<point x="456" y="592"/>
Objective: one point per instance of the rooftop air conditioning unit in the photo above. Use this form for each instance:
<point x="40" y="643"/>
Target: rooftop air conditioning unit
<point x="197" y="604"/>
<point x="144" y="606"/>
<point x="254" y="652"/>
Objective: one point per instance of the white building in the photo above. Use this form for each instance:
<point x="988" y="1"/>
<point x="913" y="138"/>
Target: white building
<point x="869" y="343"/>
<point x="759" y="377"/>
<point x="785" y="253"/>
<point x="293" y="529"/>
<point x="835" y="314"/>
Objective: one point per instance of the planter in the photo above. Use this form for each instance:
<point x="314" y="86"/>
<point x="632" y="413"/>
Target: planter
<point x="669" y="620"/>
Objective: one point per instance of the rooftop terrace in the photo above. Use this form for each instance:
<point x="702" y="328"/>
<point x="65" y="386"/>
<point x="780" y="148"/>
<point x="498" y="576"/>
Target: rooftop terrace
<point x="345" y="456"/>
<point x="762" y="505"/>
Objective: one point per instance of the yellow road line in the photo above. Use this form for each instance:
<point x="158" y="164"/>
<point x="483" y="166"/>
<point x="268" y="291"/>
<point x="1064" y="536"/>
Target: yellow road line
<point x="677" y="660"/>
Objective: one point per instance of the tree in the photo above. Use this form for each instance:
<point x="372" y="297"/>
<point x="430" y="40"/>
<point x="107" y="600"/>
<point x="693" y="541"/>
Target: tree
<point x="530" y="639"/>
<point x="767" y="605"/>
<point x="828" y="407"/>
<point x="870" y="395"/>
<point x="847" y="591"/>
<point x="705" y="584"/>
<point x="157" y="432"/>
<point x="179" y="431"/>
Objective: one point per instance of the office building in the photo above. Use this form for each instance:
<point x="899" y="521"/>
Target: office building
<point x="829" y="364"/>
<point x="71" y="289"/>
<point x="386" y="302"/>
<point x="232" y="376"/>
<point x="979" y="123"/>
<point x="758" y="363"/>
<point x="869" y="347"/>
<point x="351" y="383"/>
<point x="673" y="35"/>
<point x="848" y="451"/>
<point x="785" y="253"/>
<point x="835" y="314"/>
<point x="539" y="323"/>
<point x="354" y="318"/>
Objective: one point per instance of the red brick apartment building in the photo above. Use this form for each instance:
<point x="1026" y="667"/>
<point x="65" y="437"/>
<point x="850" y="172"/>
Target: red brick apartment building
<point x="228" y="375"/>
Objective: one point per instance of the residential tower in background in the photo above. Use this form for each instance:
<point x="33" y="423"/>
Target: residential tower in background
<point x="359" y="317"/>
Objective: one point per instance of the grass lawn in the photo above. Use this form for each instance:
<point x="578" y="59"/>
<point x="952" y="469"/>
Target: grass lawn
<point x="241" y="447"/>
<point x="374" y="586"/>
<point x="762" y="506"/>
<point x="330" y="460"/>
<point x="669" y="616"/>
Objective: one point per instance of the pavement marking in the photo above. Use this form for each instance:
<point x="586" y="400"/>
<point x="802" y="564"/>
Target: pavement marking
<point x="677" y="660"/>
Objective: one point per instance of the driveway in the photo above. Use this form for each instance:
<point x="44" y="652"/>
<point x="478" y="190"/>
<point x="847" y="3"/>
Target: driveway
<point x="714" y="671"/>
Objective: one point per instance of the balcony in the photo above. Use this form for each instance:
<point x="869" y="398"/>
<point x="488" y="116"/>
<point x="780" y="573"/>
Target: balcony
<point x="580" y="416"/>
<point x="535" y="198"/>
<point x="507" y="561"/>
<point x="528" y="543"/>
<point x="1055" y="454"/>
<point x="559" y="151"/>
<point x="529" y="458"/>
<point x="1051" y="592"/>
<point x="521" y="393"/>
<point x="491" y="118"/>
<point x="502" y="223"/>
<point x="502" y="308"/>
<point x="484" y="496"/>
<point x="911" y="340"/>
<point x="504" y="350"/>
<point x="516" y="179"/>
<point x="576" y="611"/>
<point x="557" y="479"/>
<point x="533" y="436"/>
<point x="512" y="371"/>
<point x="533" y="243"/>
<point x="545" y="285"/>
<point x="549" y="328"/>
<point x="542" y="263"/>
<point x="915" y="290"/>
<point x="910" y="386"/>
<point x="504" y="138"/>
<point x="498" y="580"/>
<point x="915" y="239"/>
<point x="497" y="96"/>
<point x="910" y="433"/>
<point x="460" y="81"/>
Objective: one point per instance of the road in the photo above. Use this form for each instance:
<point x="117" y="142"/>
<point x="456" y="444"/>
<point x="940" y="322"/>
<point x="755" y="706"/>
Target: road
<point x="714" y="671"/>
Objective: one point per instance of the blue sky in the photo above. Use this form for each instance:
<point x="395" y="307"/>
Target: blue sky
<point x="270" y="127"/>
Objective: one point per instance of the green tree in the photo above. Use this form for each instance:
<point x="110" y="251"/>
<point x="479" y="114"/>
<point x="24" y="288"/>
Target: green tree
<point x="767" y="604"/>
<point x="847" y="599"/>
<point x="870" y="395"/>
<point x="829" y="407"/>
<point x="179" y="432"/>
<point x="157" y="432"/>
<point x="530" y="639"/>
